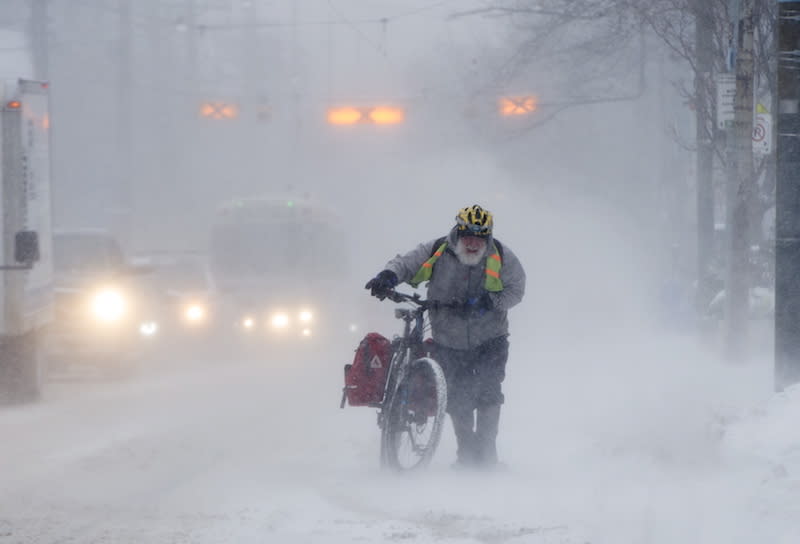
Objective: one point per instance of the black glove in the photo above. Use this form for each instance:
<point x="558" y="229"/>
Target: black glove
<point x="381" y="284"/>
<point x="477" y="306"/>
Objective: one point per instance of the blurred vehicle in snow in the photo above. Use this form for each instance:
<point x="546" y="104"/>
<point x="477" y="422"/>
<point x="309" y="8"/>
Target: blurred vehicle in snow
<point x="279" y="263"/>
<point x="26" y="293"/>
<point x="106" y="315"/>
<point x="186" y="299"/>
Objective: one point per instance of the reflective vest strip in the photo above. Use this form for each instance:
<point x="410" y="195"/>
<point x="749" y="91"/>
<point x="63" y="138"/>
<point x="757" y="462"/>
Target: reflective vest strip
<point x="426" y="270"/>
<point x="494" y="263"/>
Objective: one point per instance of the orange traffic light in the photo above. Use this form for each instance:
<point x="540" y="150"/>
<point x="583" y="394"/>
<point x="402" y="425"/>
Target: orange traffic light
<point x="517" y="105"/>
<point x="344" y="116"/>
<point x="386" y="115"/>
<point x="219" y="110"/>
<point x="378" y="115"/>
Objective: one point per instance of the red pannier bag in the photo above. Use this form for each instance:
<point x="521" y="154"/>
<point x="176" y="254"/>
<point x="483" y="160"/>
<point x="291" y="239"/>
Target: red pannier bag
<point x="365" y="379"/>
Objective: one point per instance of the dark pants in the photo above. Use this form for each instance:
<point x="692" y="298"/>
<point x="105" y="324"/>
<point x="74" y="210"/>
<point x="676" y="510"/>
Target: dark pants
<point x="474" y="395"/>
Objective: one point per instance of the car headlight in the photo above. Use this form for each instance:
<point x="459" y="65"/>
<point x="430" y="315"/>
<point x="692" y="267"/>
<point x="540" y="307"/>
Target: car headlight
<point x="194" y="313"/>
<point x="148" y="328"/>
<point x="305" y="316"/>
<point x="109" y="305"/>
<point x="280" y="321"/>
<point x="248" y="323"/>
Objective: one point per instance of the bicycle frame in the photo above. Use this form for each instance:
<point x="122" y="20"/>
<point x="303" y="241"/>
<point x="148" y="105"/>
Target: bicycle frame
<point x="402" y="346"/>
<point x="412" y="409"/>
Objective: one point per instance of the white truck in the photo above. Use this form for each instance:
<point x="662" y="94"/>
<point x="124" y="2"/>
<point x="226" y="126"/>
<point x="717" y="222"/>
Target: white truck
<point x="26" y="267"/>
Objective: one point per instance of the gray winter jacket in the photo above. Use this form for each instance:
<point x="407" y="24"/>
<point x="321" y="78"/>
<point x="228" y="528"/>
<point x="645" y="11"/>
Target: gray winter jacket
<point x="453" y="282"/>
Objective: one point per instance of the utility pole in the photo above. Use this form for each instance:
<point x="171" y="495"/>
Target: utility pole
<point x="191" y="42"/>
<point x="39" y="39"/>
<point x="296" y="157"/>
<point x="741" y="191"/>
<point x="252" y="84"/>
<point x="188" y="169"/>
<point x="787" y="223"/>
<point x="122" y="207"/>
<point x="704" y="31"/>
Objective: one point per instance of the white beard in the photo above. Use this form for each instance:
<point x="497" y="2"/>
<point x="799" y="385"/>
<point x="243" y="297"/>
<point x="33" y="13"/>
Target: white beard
<point x="466" y="258"/>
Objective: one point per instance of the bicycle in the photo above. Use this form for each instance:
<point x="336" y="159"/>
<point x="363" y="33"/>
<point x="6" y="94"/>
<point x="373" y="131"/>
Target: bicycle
<point x="411" y="411"/>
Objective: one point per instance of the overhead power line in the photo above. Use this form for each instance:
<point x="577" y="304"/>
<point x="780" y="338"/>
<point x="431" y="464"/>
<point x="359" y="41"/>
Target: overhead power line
<point x="342" y="21"/>
<point x="352" y="25"/>
<point x="420" y="10"/>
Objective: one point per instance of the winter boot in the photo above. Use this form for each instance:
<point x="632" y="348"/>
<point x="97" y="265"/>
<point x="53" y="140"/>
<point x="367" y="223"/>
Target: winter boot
<point x="488" y="422"/>
<point x="463" y="424"/>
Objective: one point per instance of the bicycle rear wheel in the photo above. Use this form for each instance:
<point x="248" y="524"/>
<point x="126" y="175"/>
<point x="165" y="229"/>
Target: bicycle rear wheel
<point x="415" y="416"/>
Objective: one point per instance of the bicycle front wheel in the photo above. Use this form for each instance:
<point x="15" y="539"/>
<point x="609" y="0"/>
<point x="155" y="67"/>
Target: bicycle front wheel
<point x="415" y="416"/>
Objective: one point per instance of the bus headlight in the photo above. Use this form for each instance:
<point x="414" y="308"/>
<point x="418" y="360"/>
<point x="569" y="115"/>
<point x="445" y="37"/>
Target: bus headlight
<point x="194" y="313"/>
<point x="305" y="316"/>
<point x="108" y="305"/>
<point x="280" y="321"/>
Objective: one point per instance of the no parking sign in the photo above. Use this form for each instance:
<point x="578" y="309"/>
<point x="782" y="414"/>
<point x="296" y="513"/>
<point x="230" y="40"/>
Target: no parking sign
<point x="762" y="134"/>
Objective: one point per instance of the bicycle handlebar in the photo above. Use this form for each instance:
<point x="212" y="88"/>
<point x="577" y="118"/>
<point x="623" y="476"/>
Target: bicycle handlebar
<point x="396" y="296"/>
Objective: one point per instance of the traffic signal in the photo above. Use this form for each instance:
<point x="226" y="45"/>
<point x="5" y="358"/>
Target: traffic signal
<point x="219" y="110"/>
<point x="386" y="115"/>
<point x="517" y="105"/>
<point x="263" y="113"/>
<point x="344" y="116"/>
<point x="376" y="115"/>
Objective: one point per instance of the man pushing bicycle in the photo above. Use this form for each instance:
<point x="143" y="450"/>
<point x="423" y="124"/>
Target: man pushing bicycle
<point x="473" y="280"/>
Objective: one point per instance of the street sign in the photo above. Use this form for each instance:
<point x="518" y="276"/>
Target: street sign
<point x="726" y="92"/>
<point x="762" y="134"/>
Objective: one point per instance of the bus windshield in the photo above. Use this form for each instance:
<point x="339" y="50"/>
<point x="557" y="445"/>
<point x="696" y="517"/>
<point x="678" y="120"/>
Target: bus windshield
<point x="298" y="250"/>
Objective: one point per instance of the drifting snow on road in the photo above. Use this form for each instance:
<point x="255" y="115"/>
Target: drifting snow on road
<point x="260" y="452"/>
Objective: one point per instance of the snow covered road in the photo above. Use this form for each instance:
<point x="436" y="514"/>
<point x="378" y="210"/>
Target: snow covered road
<point x="623" y="452"/>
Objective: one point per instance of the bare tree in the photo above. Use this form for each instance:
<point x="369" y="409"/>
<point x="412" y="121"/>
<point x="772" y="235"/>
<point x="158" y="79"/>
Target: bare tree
<point x="599" y="42"/>
<point x="598" y="38"/>
<point x="741" y="42"/>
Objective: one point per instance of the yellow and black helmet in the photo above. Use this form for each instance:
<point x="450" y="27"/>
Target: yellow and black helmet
<point x="474" y="221"/>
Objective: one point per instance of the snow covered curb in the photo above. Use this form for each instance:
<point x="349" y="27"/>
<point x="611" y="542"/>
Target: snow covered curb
<point x="771" y="434"/>
<point x="764" y="446"/>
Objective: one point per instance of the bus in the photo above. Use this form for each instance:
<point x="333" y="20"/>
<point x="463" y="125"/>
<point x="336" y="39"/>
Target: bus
<point x="278" y="263"/>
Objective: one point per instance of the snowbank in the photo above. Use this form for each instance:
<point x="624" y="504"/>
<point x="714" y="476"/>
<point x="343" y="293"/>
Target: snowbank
<point x="764" y="447"/>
